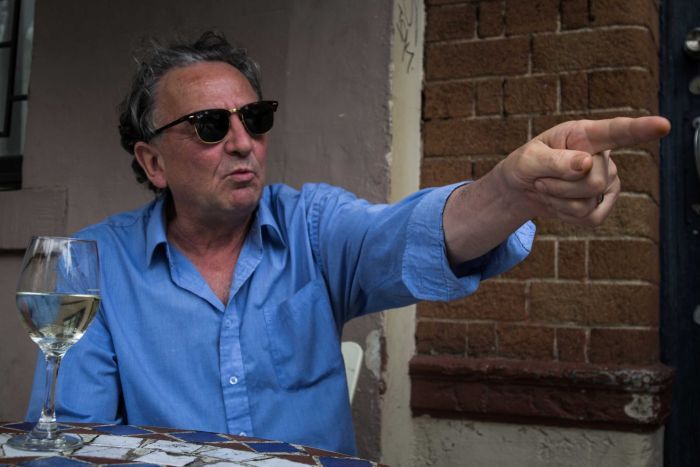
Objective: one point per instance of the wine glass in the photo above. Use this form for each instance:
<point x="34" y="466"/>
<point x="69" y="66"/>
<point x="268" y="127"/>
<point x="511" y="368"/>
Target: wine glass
<point x="57" y="296"/>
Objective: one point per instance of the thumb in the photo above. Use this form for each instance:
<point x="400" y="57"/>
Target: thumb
<point x="580" y="162"/>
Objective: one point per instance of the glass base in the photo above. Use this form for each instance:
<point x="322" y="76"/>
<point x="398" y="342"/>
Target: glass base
<point x="61" y="442"/>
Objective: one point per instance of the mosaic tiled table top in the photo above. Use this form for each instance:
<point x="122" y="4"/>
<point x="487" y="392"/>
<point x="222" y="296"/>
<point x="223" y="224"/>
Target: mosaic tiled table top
<point x="114" y="445"/>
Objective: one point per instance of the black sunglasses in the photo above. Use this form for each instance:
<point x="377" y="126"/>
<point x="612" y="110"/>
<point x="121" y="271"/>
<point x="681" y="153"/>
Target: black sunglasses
<point x="211" y="125"/>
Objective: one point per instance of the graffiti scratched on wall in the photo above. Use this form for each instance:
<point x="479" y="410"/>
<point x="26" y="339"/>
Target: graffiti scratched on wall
<point x="406" y="29"/>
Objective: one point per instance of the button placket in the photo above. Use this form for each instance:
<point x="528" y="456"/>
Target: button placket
<point x="233" y="374"/>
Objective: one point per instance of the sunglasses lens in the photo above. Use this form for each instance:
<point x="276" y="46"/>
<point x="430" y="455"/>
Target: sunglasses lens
<point x="258" y="117"/>
<point x="212" y="125"/>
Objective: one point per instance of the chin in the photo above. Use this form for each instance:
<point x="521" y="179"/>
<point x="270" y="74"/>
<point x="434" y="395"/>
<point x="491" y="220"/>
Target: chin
<point x="245" y="199"/>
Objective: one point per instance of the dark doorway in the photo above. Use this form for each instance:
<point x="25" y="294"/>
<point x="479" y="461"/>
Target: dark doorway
<point x="680" y="229"/>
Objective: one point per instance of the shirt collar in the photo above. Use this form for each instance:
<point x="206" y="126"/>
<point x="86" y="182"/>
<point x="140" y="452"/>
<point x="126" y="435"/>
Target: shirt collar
<point x="267" y="218"/>
<point x="155" y="227"/>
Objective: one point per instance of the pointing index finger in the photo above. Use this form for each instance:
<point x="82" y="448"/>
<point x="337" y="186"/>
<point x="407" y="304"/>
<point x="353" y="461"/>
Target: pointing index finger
<point x="600" y="135"/>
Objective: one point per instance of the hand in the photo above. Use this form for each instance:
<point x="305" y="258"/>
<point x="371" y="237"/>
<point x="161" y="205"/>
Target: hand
<point x="561" y="173"/>
<point x="567" y="173"/>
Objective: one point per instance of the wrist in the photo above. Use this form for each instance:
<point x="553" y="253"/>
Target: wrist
<point x="513" y="197"/>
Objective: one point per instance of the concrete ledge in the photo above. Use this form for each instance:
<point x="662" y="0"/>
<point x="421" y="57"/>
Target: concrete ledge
<point x="551" y="393"/>
<point x="28" y="212"/>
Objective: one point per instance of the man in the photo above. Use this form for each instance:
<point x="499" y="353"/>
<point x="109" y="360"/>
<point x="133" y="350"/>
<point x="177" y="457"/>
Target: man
<point x="223" y="301"/>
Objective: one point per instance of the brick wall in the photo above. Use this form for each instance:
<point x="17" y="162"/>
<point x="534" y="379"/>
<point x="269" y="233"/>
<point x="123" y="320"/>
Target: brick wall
<point x="497" y="72"/>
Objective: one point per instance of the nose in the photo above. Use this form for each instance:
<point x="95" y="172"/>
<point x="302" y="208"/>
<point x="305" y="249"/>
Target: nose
<point x="238" y="141"/>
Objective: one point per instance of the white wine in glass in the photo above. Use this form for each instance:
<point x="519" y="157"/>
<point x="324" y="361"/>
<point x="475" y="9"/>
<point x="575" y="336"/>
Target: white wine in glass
<point x="57" y="297"/>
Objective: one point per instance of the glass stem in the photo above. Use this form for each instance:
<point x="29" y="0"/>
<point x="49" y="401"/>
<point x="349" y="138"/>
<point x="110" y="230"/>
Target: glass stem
<point x="46" y="427"/>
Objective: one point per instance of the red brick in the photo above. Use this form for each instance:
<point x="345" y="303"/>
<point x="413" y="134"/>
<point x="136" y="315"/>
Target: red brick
<point x="489" y="97"/>
<point x="574" y="14"/>
<point x="441" y="337"/>
<point x="484" y="165"/>
<point x="430" y="3"/>
<point x="594" y="49"/>
<point x="638" y="173"/>
<point x="450" y="22"/>
<point x="481" y="339"/>
<point x="571" y="345"/>
<point x="624" y="259"/>
<point x="528" y="95"/>
<point x="439" y="171"/>
<point x="448" y="100"/>
<point x="624" y="88"/>
<point x="539" y="263"/>
<point x="572" y="259"/>
<point x="508" y="56"/>
<point x="574" y="91"/>
<point x="491" y="18"/>
<point x="624" y="346"/>
<point x="547" y="226"/>
<point x="495" y="300"/>
<point x="526" y="16"/>
<point x="525" y="342"/>
<point x="616" y="12"/>
<point x="594" y="304"/>
<point x="634" y="216"/>
<point x="464" y="137"/>
<point x="627" y="12"/>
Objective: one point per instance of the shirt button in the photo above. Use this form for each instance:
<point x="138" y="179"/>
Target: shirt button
<point x="227" y="323"/>
<point x="233" y="380"/>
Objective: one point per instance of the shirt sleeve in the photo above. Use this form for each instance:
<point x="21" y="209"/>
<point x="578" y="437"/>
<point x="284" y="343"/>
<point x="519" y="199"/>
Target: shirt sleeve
<point x="426" y="269"/>
<point x="380" y="256"/>
<point x="87" y="388"/>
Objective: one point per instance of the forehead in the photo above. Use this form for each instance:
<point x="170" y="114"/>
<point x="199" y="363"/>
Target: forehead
<point x="202" y="85"/>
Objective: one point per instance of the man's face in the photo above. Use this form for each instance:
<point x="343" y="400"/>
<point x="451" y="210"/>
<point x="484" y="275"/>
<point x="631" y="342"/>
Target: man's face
<point x="214" y="182"/>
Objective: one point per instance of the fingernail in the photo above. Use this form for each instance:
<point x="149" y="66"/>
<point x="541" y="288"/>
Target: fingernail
<point x="577" y="161"/>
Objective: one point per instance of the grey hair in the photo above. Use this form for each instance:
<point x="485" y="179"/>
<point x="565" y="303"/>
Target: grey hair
<point x="136" y="110"/>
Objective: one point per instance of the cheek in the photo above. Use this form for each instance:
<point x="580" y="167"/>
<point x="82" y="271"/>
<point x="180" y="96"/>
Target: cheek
<point x="261" y="154"/>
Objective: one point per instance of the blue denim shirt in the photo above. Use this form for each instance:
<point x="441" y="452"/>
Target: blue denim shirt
<point x="163" y="350"/>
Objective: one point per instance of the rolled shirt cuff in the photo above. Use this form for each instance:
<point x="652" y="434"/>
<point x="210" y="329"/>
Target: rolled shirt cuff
<point x="425" y="268"/>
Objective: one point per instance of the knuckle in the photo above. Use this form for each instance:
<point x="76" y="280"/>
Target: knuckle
<point x="530" y="151"/>
<point x="580" y="210"/>
<point x="598" y="184"/>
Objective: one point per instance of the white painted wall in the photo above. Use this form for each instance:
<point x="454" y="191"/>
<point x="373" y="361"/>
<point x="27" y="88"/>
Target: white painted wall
<point x="465" y="443"/>
<point x="397" y="428"/>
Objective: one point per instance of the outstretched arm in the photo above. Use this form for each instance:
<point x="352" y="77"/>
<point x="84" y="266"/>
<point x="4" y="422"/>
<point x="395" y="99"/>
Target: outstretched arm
<point x="564" y="173"/>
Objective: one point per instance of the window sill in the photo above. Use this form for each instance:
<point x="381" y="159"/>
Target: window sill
<point x="536" y="392"/>
<point x="31" y="211"/>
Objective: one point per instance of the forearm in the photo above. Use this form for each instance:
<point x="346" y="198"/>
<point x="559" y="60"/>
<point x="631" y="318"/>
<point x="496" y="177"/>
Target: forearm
<point x="481" y="215"/>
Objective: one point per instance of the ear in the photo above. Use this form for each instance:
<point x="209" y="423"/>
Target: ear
<point x="151" y="161"/>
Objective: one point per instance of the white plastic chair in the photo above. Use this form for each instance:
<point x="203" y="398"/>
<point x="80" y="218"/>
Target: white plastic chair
<point x="352" y="357"/>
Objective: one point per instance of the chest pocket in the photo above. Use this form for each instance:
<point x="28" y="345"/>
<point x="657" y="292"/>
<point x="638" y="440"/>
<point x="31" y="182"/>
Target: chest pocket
<point x="304" y="343"/>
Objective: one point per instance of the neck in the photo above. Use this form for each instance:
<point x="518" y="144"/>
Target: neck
<point x="203" y="236"/>
<point x="213" y="247"/>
